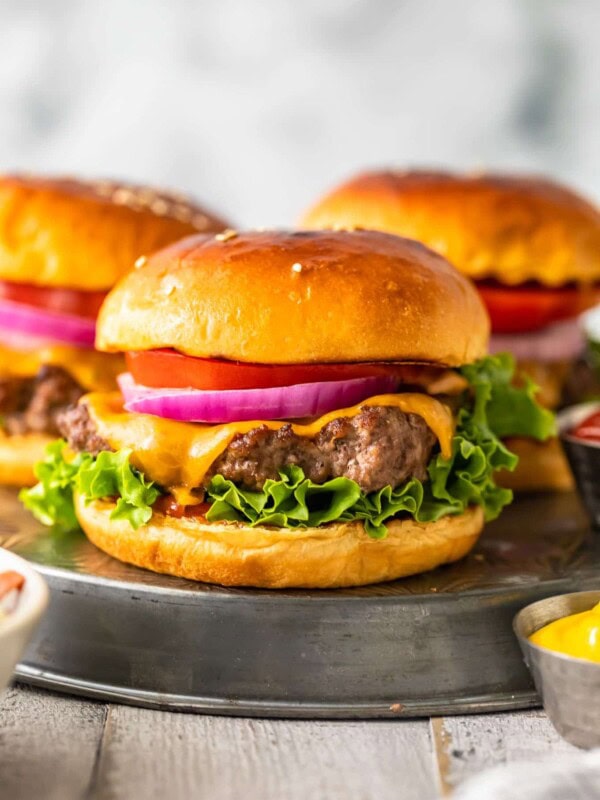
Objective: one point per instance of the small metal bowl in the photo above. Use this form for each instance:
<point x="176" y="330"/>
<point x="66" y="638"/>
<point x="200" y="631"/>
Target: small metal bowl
<point x="583" y="457"/>
<point x="569" y="687"/>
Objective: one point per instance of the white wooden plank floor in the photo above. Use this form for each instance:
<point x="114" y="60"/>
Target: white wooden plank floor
<point x="53" y="746"/>
<point x="48" y="744"/>
<point x="467" y="745"/>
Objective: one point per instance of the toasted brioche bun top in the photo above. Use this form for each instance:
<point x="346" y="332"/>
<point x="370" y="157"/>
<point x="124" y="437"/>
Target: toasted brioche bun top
<point x="510" y="228"/>
<point x="85" y="235"/>
<point x="298" y="297"/>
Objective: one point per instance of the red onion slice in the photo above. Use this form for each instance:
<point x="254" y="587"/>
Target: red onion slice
<point x="236" y="405"/>
<point x="24" y="342"/>
<point x="18" y="318"/>
<point x="560" y="342"/>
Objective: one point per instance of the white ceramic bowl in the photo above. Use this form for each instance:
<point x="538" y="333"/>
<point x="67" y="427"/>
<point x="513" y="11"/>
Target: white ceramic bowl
<point x="17" y="628"/>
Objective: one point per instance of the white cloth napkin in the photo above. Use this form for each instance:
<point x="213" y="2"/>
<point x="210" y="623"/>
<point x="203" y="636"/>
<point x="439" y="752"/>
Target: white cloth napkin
<point x="567" y="777"/>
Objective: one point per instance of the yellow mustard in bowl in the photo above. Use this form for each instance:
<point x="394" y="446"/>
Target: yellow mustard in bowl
<point x="577" y="635"/>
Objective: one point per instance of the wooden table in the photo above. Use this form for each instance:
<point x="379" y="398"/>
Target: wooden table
<point x="55" y="747"/>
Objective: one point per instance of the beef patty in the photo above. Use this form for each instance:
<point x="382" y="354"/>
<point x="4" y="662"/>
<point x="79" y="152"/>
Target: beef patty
<point x="378" y="447"/>
<point x="32" y="404"/>
<point x="77" y="427"/>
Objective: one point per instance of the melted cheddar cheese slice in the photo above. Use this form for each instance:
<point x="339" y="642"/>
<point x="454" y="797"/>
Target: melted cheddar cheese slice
<point x="93" y="370"/>
<point x="178" y="455"/>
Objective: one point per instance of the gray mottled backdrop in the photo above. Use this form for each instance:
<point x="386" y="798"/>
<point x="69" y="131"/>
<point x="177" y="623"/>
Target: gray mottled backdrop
<point x="257" y="105"/>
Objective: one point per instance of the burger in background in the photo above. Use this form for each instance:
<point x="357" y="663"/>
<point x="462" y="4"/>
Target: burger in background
<point x="63" y="245"/>
<point x="307" y="409"/>
<point x="533" y="249"/>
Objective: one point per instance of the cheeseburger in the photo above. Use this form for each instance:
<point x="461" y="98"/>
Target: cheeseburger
<point x="63" y="245"/>
<point x="308" y="409"/>
<point x="533" y="248"/>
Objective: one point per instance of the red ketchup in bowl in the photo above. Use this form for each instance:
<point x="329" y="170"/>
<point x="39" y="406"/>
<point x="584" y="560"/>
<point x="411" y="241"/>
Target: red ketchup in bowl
<point x="589" y="429"/>
<point x="11" y="584"/>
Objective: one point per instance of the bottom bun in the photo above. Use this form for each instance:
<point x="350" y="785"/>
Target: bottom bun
<point x="18" y="454"/>
<point x="233" y="554"/>
<point x="542" y="467"/>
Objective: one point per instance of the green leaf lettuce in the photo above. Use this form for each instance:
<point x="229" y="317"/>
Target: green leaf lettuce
<point x="107" y="475"/>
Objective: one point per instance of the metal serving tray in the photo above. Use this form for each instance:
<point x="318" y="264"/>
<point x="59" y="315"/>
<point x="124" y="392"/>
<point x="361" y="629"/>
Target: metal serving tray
<point x="437" y="643"/>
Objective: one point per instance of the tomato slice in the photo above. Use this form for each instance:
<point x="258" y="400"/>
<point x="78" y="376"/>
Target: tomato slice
<point x="65" y="301"/>
<point x="519" y="309"/>
<point x="170" y="369"/>
<point x="160" y="368"/>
